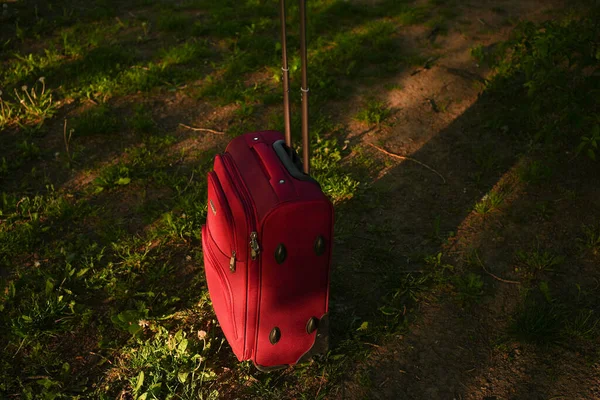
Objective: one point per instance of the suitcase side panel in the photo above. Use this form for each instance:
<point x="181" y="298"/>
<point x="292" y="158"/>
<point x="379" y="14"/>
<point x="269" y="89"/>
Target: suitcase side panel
<point x="296" y="289"/>
<point x="239" y="210"/>
<point x="227" y="292"/>
<point x="230" y="219"/>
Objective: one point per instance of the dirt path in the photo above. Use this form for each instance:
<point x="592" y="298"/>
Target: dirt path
<point x="451" y="351"/>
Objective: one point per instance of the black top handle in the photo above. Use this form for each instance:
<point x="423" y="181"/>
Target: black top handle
<point x="290" y="160"/>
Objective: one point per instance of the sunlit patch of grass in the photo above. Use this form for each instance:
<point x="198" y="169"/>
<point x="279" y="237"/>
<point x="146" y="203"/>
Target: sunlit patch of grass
<point x="393" y="86"/>
<point x="167" y="364"/>
<point x="325" y="164"/>
<point x="374" y="112"/>
<point x="8" y="112"/>
<point x="413" y="15"/>
<point x="141" y="78"/>
<point x="116" y="175"/>
<point x="490" y="202"/>
<point x="36" y="102"/>
<point x="189" y="51"/>
<point x="23" y="66"/>
<point x="342" y="54"/>
<point x="347" y="53"/>
<point x="477" y="53"/>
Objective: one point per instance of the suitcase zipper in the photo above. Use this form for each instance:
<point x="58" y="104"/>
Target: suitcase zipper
<point x="219" y="190"/>
<point x="254" y="247"/>
<point x="232" y="262"/>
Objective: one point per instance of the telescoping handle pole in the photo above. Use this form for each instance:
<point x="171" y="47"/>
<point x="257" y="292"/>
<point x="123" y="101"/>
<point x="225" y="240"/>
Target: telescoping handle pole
<point x="286" y="80"/>
<point x="304" y="89"/>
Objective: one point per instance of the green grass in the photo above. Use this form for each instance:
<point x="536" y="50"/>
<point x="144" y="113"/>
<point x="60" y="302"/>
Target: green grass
<point x="490" y="202"/>
<point x="413" y="15"/>
<point x="534" y="172"/>
<point x="536" y="262"/>
<point x="188" y="52"/>
<point x="477" y="52"/>
<point x="172" y="22"/>
<point x="325" y="164"/>
<point x="98" y="120"/>
<point x="393" y="86"/>
<point x="469" y="288"/>
<point x="7" y="112"/>
<point x="583" y="326"/>
<point x="168" y="363"/>
<point x="589" y="242"/>
<point x="36" y="103"/>
<point x="545" y="319"/>
<point x="29" y="151"/>
<point x="538" y="321"/>
<point x="374" y="112"/>
<point x="142" y="120"/>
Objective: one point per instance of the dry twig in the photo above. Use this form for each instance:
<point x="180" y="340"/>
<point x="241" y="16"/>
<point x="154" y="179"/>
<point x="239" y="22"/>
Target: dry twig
<point x="492" y="275"/>
<point x="407" y="158"/>
<point x="202" y="129"/>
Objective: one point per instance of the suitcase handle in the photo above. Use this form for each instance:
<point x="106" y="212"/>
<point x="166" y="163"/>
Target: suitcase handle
<point x="303" y="89"/>
<point x="290" y="160"/>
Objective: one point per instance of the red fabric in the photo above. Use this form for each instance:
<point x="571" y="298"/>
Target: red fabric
<point x="245" y="195"/>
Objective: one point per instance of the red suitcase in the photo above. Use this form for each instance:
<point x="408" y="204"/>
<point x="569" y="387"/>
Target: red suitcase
<point x="267" y="243"/>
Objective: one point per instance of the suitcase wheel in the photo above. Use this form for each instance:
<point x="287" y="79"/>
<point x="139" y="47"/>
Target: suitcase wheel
<point x="275" y="335"/>
<point x="319" y="245"/>
<point x="280" y="254"/>
<point x="312" y="325"/>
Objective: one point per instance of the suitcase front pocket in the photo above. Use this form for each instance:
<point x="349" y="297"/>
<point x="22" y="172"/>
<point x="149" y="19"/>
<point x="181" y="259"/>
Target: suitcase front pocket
<point x="219" y="287"/>
<point x="219" y="218"/>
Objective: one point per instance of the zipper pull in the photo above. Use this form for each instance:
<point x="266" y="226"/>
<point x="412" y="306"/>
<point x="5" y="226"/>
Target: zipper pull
<point x="232" y="262"/>
<point x="254" y="247"/>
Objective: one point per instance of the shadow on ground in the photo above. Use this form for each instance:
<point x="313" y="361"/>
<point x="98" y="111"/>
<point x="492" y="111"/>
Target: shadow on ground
<point x="450" y="349"/>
